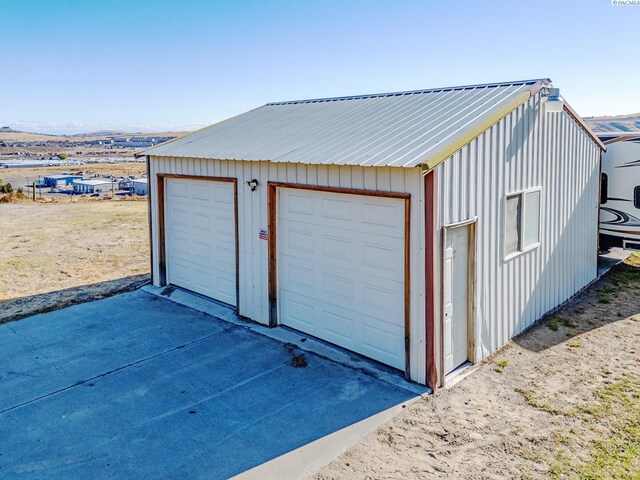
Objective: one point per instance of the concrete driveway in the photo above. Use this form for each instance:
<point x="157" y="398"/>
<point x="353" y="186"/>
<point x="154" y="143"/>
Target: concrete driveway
<point x="137" y="386"/>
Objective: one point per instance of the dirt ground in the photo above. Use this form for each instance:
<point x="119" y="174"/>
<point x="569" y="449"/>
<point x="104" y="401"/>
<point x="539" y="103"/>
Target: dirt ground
<point x="560" y="401"/>
<point x="118" y="169"/>
<point x="68" y="250"/>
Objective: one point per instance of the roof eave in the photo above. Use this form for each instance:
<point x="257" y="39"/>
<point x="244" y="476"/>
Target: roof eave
<point x="483" y="124"/>
<point x="487" y="122"/>
<point x="147" y="151"/>
<point x="585" y="127"/>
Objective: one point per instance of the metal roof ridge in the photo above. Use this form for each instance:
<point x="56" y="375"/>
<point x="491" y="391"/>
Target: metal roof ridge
<point x="410" y="92"/>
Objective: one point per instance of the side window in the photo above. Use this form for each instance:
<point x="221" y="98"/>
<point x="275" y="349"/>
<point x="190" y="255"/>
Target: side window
<point x="512" y="224"/>
<point x="522" y="221"/>
<point x="636" y="197"/>
<point x="531" y="234"/>
<point x="604" y="188"/>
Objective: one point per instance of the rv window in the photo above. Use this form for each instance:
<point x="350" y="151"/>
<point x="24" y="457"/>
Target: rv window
<point x="604" y="188"/>
<point x="636" y="197"/>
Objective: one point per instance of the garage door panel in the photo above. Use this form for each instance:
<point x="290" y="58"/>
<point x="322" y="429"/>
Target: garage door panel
<point x="200" y="191"/>
<point x="359" y="264"/>
<point x="384" y="295"/>
<point x="352" y="330"/>
<point x="200" y="237"/>
<point x="386" y="346"/>
<point x="178" y="216"/>
<point x="340" y="248"/>
<point x="338" y="285"/>
<point x="223" y="225"/>
<point x="298" y="240"/>
<point x="213" y="256"/>
<point x="300" y="278"/>
<point x="293" y="203"/>
<point x="337" y="247"/>
<point x="307" y="231"/>
<point x="177" y="189"/>
<point x="317" y="274"/>
<point x="200" y="251"/>
<point x="337" y="209"/>
<point x="203" y="264"/>
<point x="336" y="327"/>
<point x="201" y="221"/>
<point x="224" y="196"/>
<point x="381" y="256"/>
<point x="300" y="315"/>
<point x="193" y="273"/>
<point x="379" y="215"/>
<point x="391" y="216"/>
<point x="329" y="224"/>
<point x="341" y="270"/>
<point x="361" y="299"/>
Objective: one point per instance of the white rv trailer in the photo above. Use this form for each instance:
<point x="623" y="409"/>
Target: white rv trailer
<point x="620" y="190"/>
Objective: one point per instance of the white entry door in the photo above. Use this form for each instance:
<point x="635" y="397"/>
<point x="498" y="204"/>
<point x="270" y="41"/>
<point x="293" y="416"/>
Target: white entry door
<point x="455" y="297"/>
<point x="341" y="270"/>
<point x="200" y="237"/>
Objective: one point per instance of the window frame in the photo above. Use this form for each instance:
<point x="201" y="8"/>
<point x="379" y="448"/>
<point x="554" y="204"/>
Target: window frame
<point x="523" y="212"/>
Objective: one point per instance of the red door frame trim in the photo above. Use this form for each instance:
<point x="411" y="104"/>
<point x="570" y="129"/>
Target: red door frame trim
<point x="430" y="219"/>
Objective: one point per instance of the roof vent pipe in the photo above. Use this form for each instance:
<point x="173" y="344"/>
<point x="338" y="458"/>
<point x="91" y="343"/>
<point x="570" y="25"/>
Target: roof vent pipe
<point x="554" y="103"/>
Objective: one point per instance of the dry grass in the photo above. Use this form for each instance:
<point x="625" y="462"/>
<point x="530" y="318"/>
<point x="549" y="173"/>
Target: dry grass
<point x="56" y="245"/>
<point x="633" y="259"/>
<point x="12" y="175"/>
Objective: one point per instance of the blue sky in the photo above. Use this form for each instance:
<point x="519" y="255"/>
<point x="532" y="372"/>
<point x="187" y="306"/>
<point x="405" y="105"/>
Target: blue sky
<point x="78" y="64"/>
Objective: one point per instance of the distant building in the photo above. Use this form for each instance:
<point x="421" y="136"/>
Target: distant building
<point x="57" y="180"/>
<point x="95" y="185"/>
<point x="140" y="186"/>
<point x="27" y="163"/>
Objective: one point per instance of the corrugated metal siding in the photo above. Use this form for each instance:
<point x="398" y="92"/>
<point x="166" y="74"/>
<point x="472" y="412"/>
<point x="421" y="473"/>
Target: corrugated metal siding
<point x="399" y="129"/>
<point x="252" y="216"/>
<point x="528" y="148"/>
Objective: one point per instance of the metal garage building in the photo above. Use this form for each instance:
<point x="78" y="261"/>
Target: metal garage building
<point x="422" y="229"/>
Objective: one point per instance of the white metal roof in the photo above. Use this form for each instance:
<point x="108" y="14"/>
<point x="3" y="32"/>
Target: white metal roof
<point x="403" y="129"/>
<point x="92" y="182"/>
<point x="139" y="180"/>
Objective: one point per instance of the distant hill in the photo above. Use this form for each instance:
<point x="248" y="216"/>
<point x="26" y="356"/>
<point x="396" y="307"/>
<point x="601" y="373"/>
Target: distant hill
<point x="8" y="130"/>
<point x="615" y="123"/>
<point x="101" y="133"/>
<point x="9" y="134"/>
<point x="105" y="143"/>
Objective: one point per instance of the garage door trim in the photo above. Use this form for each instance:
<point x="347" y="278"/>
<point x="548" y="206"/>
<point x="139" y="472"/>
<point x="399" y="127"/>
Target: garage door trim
<point x="272" y="221"/>
<point x="162" y="247"/>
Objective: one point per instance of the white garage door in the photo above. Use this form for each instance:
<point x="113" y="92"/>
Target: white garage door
<point x="200" y="237"/>
<point x="341" y="270"/>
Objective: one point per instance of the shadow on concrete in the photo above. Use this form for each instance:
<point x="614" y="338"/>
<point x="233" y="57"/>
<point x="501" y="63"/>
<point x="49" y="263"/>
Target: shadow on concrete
<point x="138" y="386"/>
<point x="17" y="308"/>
